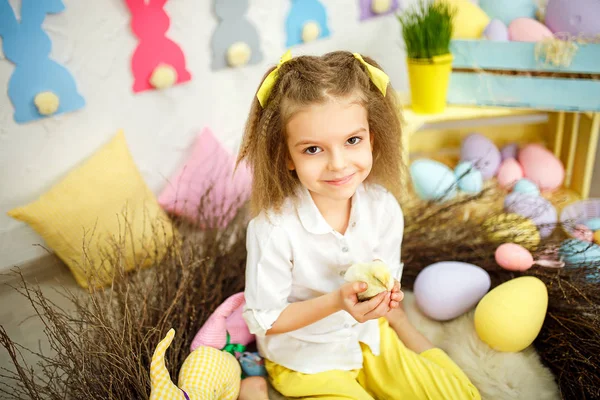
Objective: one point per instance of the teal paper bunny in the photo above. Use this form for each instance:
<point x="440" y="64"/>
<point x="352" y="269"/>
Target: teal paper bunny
<point x="39" y="87"/>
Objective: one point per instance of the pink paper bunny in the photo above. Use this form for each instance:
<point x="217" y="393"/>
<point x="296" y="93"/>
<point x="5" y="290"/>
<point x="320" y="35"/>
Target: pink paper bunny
<point x="227" y="318"/>
<point x="150" y="24"/>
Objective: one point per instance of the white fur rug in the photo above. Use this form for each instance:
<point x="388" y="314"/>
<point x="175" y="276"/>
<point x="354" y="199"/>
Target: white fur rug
<point x="498" y="376"/>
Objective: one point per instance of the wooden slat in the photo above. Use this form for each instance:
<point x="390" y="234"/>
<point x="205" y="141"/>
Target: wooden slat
<point x="524" y="92"/>
<point x="518" y="56"/>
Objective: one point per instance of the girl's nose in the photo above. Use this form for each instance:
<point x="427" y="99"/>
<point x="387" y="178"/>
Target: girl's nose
<point x="337" y="160"/>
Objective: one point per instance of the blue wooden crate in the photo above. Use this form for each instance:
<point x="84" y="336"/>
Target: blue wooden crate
<point x="477" y="80"/>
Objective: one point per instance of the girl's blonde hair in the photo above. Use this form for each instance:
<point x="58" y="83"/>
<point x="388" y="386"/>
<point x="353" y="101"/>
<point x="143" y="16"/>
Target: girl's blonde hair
<point x="307" y="80"/>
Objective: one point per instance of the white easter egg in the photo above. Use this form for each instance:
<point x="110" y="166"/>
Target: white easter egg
<point x="432" y="180"/>
<point x="448" y="289"/>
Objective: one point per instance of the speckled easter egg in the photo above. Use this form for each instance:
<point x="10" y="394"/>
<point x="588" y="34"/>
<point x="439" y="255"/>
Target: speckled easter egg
<point x="508" y="10"/>
<point x="575" y="251"/>
<point x="482" y="152"/>
<point x="509" y="173"/>
<point x="527" y="30"/>
<point x="538" y="209"/>
<point x="447" y="289"/>
<point x="496" y="31"/>
<point x="512" y="228"/>
<point x="542" y="167"/>
<point x="577" y="17"/>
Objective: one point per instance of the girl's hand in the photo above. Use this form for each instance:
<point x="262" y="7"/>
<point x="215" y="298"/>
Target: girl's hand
<point x="374" y="308"/>
<point x="397" y="295"/>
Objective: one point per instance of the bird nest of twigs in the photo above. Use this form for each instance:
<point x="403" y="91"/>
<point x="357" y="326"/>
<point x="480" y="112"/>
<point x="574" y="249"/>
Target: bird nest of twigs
<point x="102" y="345"/>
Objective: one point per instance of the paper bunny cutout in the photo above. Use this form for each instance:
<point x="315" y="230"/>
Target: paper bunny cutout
<point x="226" y="319"/>
<point x="301" y="13"/>
<point x="234" y="29"/>
<point x="39" y="86"/>
<point x="156" y="55"/>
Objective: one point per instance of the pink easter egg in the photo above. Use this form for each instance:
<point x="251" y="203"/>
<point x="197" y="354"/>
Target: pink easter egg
<point x="584" y="233"/>
<point x="513" y="257"/>
<point x="542" y="167"/>
<point x="509" y="173"/>
<point x="527" y="30"/>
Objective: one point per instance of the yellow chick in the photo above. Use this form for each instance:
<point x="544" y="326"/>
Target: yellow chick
<point x="375" y="274"/>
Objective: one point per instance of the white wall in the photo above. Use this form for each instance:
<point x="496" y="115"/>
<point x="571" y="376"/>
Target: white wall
<point x="93" y="39"/>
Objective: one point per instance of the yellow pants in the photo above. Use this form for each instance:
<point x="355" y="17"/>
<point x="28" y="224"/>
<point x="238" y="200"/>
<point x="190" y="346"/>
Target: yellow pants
<point x="397" y="373"/>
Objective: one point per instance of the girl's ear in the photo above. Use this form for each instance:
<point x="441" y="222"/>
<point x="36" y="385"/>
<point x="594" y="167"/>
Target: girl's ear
<point x="290" y="164"/>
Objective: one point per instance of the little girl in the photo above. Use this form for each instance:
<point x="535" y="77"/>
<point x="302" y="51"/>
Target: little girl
<point x="323" y="141"/>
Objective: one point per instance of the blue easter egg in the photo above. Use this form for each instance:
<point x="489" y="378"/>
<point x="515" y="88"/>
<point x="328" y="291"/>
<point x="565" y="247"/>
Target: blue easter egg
<point x="526" y="186"/>
<point x="593" y="224"/>
<point x="470" y="179"/>
<point x="508" y="10"/>
<point x="575" y="251"/>
<point x="432" y="180"/>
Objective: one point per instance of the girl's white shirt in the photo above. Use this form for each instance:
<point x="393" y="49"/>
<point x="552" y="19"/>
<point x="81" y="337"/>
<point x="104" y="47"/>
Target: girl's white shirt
<point x="295" y="255"/>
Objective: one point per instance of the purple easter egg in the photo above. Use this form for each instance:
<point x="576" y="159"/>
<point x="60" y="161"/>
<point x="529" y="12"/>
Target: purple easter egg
<point x="496" y="31"/>
<point x="509" y="151"/>
<point x="574" y="16"/>
<point x="536" y="208"/>
<point x="482" y="152"/>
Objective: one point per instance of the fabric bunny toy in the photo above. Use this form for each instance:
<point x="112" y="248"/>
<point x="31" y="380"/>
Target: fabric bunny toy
<point x="39" y="87"/>
<point x="206" y="374"/>
<point x="225" y="326"/>
<point x="157" y="62"/>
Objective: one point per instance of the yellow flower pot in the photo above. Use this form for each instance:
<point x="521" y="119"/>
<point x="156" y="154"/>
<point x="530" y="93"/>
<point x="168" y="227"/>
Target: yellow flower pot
<point x="429" y="80"/>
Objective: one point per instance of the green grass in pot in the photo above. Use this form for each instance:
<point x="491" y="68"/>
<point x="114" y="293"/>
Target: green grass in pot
<point x="427" y="29"/>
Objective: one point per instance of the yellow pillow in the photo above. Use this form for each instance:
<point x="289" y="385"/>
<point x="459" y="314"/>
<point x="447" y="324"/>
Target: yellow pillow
<point x="101" y="212"/>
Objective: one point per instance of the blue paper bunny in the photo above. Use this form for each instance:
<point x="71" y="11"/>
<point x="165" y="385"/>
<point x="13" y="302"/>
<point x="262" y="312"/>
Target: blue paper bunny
<point x="35" y="75"/>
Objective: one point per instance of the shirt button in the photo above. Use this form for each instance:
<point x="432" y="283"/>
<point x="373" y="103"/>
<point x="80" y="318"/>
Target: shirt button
<point x="345" y="249"/>
<point x="342" y="273"/>
<point x="353" y="224"/>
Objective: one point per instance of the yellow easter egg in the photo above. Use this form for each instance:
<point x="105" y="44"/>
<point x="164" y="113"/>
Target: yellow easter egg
<point x="512" y="228"/>
<point x="597" y="237"/>
<point x="469" y="20"/>
<point x="510" y="316"/>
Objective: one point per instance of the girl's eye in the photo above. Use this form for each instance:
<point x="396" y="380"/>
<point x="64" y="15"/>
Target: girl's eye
<point x="312" y="150"/>
<point x="354" y="140"/>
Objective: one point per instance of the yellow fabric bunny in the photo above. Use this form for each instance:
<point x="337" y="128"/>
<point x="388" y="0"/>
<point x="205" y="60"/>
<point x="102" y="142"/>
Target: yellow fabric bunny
<point x="206" y="374"/>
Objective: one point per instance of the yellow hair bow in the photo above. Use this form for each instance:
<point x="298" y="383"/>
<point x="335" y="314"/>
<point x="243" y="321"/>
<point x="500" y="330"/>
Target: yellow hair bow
<point x="264" y="91"/>
<point x="378" y="77"/>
